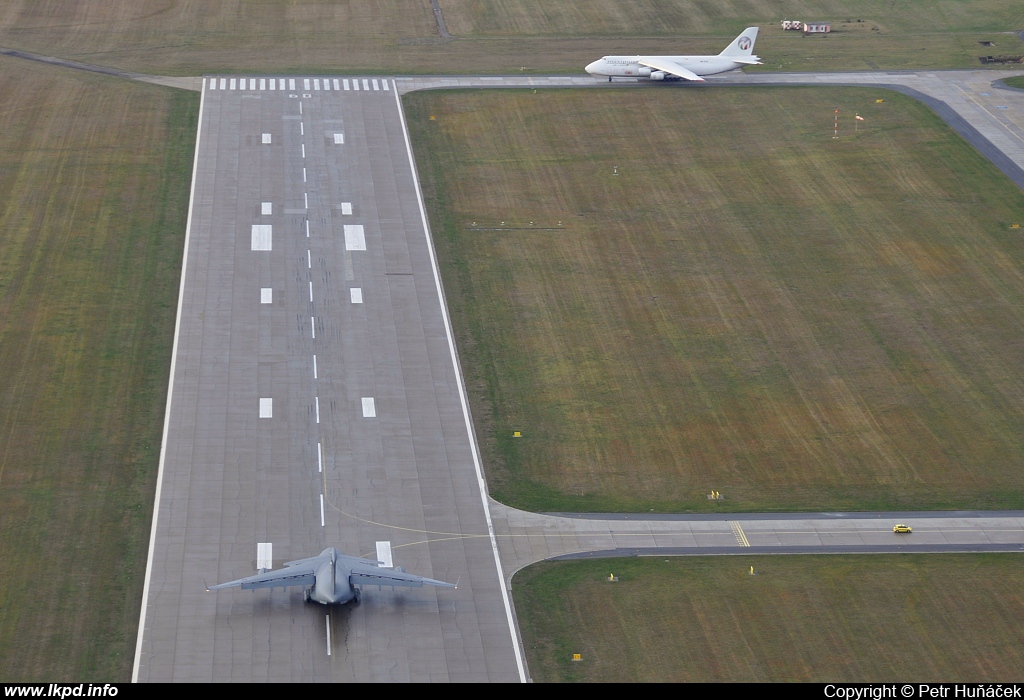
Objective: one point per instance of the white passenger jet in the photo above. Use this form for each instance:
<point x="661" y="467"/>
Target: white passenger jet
<point x="738" y="54"/>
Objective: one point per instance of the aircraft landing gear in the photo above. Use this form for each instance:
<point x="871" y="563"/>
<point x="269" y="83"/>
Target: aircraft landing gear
<point x="357" y="596"/>
<point x="305" y="595"/>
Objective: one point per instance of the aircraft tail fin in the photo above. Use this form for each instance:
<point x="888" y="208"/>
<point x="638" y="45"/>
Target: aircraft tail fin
<point x="743" y="45"/>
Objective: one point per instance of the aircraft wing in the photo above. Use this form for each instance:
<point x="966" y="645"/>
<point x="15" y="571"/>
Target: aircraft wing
<point x="670" y="67"/>
<point x="370" y="575"/>
<point x="298" y="574"/>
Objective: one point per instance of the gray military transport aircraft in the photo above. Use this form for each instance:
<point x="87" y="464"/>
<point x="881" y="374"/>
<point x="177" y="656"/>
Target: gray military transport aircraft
<point x="332" y="577"/>
<point x="736" y="55"/>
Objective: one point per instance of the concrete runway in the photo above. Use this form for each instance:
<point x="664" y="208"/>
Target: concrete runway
<point x="316" y="402"/>
<point x="312" y="362"/>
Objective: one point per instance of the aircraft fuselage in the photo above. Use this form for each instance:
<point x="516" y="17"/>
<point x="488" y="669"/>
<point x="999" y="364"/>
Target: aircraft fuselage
<point x="629" y="66"/>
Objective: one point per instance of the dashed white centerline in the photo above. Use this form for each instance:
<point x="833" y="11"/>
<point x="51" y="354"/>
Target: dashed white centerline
<point x="302" y="129"/>
<point x="312" y="326"/>
<point x="319" y="457"/>
<point x="303" y="174"/>
<point x="305" y="198"/>
<point x="309" y="261"/>
<point x="300" y="104"/>
<point x="303" y="150"/>
<point x="311" y="291"/>
<point x="307" y="228"/>
<point x="314" y="367"/>
<point x="318" y="409"/>
<point x="328" y="634"/>
<point x="321" y="510"/>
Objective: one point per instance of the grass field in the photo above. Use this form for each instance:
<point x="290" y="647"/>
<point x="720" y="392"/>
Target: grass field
<point x="749" y="305"/>
<point x="906" y="618"/>
<point x="190" y="37"/>
<point x="94" y="178"/>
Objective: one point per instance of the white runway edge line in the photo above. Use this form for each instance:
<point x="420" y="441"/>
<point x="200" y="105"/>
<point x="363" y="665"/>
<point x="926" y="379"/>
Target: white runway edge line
<point x="481" y="484"/>
<point x="170" y="397"/>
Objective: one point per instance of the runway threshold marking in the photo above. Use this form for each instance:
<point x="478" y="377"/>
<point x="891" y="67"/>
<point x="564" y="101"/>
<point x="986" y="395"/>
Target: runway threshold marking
<point x="737" y="530"/>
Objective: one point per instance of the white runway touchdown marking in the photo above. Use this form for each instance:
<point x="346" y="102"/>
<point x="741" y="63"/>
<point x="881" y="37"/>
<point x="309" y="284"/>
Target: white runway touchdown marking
<point x="266" y="408"/>
<point x="267" y="208"/>
<point x="366" y="84"/>
<point x="339" y="138"/>
<point x="261" y="236"/>
<point x="291" y="83"/>
<point x="346" y="208"/>
<point x="357" y="295"/>
<point x="266" y="295"/>
<point x="344" y="81"/>
<point x="354" y="238"/>
<point x="376" y="86"/>
<point x="314" y="367"/>
<point x="320" y="457"/>
<point x="336" y="86"/>
<point x="384" y="555"/>
<point x="318" y="410"/>
<point x="232" y="83"/>
<point x="369" y="409"/>
<point x="264" y="555"/>
<point x="223" y="83"/>
<point x="266" y="138"/>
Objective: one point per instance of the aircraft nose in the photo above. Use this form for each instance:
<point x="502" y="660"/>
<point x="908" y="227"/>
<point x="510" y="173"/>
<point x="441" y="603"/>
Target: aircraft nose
<point x="593" y="67"/>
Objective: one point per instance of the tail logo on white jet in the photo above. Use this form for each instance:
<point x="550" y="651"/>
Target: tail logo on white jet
<point x="744" y="43"/>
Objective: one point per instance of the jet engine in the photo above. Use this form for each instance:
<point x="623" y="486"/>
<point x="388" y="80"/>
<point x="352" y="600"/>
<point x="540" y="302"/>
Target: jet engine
<point x="658" y="75"/>
<point x="643" y="71"/>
